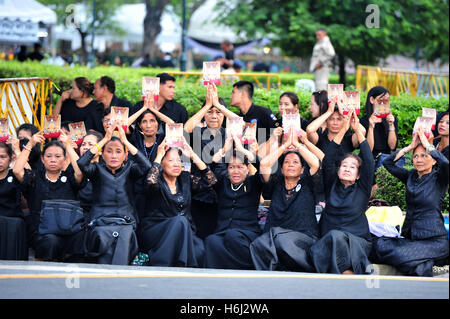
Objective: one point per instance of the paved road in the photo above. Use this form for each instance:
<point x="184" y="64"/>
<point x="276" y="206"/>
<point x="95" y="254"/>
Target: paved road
<point x="88" y="281"/>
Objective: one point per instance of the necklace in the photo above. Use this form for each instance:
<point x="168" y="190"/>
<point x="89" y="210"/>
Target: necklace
<point x="236" y="189"/>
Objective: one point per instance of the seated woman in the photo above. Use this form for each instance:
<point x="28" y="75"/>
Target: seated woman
<point x="424" y="241"/>
<point x="239" y="189"/>
<point x="166" y="231"/>
<point x="77" y="105"/>
<point x="334" y="120"/>
<point x="110" y="238"/>
<point x="206" y="141"/>
<point x="13" y="236"/>
<point x="53" y="182"/>
<point x="381" y="133"/>
<point x="345" y="241"/>
<point x="442" y="141"/>
<point x="146" y="136"/>
<point x="85" y="195"/>
<point x="291" y="226"/>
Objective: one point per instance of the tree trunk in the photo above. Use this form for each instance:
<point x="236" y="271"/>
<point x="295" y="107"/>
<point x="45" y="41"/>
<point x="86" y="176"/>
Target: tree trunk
<point x="342" y="74"/>
<point x="152" y="26"/>
<point x="84" y="53"/>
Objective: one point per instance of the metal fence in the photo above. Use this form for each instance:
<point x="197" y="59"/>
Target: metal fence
<point x="400" y="81"/>
<point x="25" y="100"/>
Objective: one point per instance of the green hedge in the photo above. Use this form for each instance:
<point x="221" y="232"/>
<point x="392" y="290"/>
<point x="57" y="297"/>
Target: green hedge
<point x="128" y="82"/>
<point x="393" y="191"/>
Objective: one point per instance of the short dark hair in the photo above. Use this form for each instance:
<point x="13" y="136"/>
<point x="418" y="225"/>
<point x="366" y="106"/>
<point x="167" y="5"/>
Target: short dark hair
<point x="321" y="99"/>
<point x="8" y="148"/>
<point x="141" y="117"/>
<point x="115" y="138"/>
<point x="109" y="83"/>
<point x="27" y="127"/>
<point x="292" y="96"/>
<point x="98" y="135"/>
<point x="164" y="77"/>
<point x="53" y="143"/>
<point x="321" y="29"/>
<point x="245" y="86"/>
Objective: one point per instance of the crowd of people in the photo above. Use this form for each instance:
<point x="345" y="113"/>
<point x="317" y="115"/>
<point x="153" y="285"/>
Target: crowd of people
<point x="124" y="190"/>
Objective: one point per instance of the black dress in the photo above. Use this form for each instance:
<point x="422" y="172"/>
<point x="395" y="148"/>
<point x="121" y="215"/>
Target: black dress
<point x="166" y="230"/>
<point x="291" y="227"/>
<point x="13" y="236"/>
<point x="345" y="238"/>
<point x="112" y="216"/>
<point x="424" y="241"/>
<point x="237" y="224"/>
<point x="204" y="203"/>
<point x="140" y="187"/>
<point x="37" y="188"/>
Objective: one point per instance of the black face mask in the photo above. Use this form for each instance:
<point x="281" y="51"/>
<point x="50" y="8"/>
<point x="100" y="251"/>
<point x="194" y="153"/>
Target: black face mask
<point x="35" y="151"/>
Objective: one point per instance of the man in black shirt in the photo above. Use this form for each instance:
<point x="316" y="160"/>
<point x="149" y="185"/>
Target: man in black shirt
<point x="241" y="97"/>
<point x="104" y="89"/>
<point x="166" y="104"/>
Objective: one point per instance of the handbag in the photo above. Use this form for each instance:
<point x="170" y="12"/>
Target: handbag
<point x="61" y="217"/>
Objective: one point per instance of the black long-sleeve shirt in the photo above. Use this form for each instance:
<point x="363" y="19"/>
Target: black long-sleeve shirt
<point x="424" y="197"/>
<point x="113" y="192"/>
<point x="292" y="209"/>
<point x="346" y="206"/>
<point x="161" y="204"/>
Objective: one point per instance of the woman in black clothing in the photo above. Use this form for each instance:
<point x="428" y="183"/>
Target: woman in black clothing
<point x="206" y="141"/>
<point x="52" y="182"/>
<point x="146" y="137"/>
<point x="77" y="105"/>
<point x="111" y="238"/>
<point x="381" y="132"/>
<point x="239" y="190"/>
<point x="424" y="241"/>
<point x="166" y="230"/>
<point x="442" y="140"/>
<point x="322" y="135"/>
<point x="13" y="236"/>
<point x="345" y="238"/>
<point x="291" y="227"/>
<point x="85" y="195"/>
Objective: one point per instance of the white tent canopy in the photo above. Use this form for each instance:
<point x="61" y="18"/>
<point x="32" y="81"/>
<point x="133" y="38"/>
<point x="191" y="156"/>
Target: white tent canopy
<point x="26" y="10"/>
<point x="19" y="20"/>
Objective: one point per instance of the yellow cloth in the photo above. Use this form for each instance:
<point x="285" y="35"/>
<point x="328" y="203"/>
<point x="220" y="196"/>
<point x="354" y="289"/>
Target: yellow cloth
<point x="391" y="215"/>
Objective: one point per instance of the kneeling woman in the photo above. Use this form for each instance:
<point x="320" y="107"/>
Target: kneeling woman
<point x="424" y="241"/>
<point x="53" y="182"/>
<point x="291" y="227"/>
<point x="110" y="238"/>
<point x="166" y="231"/>
<point x="346" y="241"/>
<point x="238" y="192"/>
<point x="13" y="237"/>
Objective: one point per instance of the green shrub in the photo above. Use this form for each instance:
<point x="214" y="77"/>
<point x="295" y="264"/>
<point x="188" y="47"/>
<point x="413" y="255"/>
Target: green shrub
<point x="393" y="191"/>
<point x="128" y="85"/>
<point x="389" y="188"/>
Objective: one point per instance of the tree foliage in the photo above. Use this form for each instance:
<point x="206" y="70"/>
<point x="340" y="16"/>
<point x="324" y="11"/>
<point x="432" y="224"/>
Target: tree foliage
<point x="403" y="25"/>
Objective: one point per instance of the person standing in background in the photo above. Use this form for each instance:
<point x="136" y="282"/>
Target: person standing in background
<point x="323" y="52"/>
